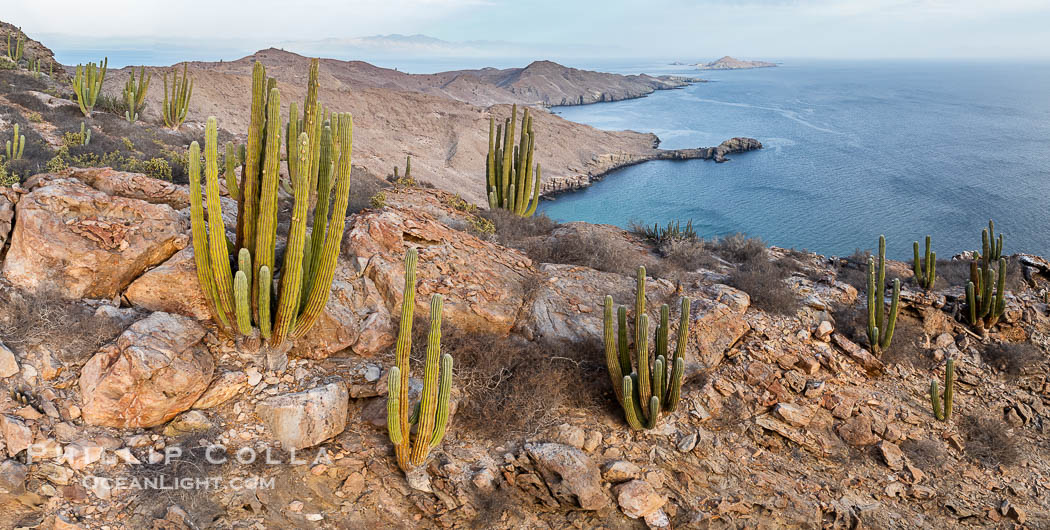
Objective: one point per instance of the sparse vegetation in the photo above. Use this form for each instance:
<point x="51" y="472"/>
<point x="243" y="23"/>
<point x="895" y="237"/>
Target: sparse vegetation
<point x="763" y="281"/>
<point x="67" y="328"/>
<point x="990" y="441"/>
<point x="378" y="200"/>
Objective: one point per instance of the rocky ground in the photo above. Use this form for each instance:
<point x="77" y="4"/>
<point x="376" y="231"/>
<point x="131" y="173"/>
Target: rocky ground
<point x="110" y="364"/>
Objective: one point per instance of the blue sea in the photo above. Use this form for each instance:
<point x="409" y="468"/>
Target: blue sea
<point x="852" y="150"/>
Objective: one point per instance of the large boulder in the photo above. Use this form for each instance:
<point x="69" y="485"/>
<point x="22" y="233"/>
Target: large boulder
<point x="483" y="283"/>
<point x="156" y="369"/>
<point x="305" y="419"/>
<point x="79" y="242"/>
<point x="132" y="186"/>
<point x="171" y="287"/>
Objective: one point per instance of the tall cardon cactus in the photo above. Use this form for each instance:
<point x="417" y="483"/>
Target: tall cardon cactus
<point x="510" y="181"/>
<point x="177" y="101"/>
<point x="944" y="414"/>
<point x="645" y="392"/>
<point x="925" y="270"/>
<point x="985" y="305"/>
<point x="135" y="93"/>
<point x="87" y="84"/>
<point x="247" y="296"/>
<point x="881" y="324"/>
<point x="430" y="415"/>
<point x="15" y="52"/>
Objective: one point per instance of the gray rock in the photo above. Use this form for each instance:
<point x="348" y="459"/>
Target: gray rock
<point x="570" y="474"/>
<point x="305" y="419"/>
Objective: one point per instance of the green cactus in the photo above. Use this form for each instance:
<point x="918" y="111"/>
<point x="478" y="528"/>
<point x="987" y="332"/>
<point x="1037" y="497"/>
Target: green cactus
<point x="408" y="167"/>
<point x="34" y="67"/>
<point x="926" y="270"/>
<point x="949" y="393"/>
<point x="14" y="147"/>
<point x="308" y="268"/>
<point x="645" y="393"/>
<point x="176" y="106"/>
<point x="15" y="52"/>
<point x="135" y="93"/>
<point x="510" y="182"/>
<point x="985" y="300"/>
<point x="430" y="415"/>
<point x="87" y="84"/>
<point x="881" y="325"/>
<point x="85" y="134"/>
<point x="991" y="245"/>
<point x="230" y="158"/>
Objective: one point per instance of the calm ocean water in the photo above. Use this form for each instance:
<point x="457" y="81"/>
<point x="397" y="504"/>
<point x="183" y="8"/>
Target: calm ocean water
<point x="852" y="150"/>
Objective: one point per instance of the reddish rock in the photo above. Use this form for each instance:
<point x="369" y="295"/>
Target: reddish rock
<point x="153" y="371"/>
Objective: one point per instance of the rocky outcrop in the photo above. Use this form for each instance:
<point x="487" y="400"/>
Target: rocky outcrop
<point x="156" y="369"/>
<point x="79" y="242"/>
<point x="571" y="476"/>
<point x="603" y="165"/>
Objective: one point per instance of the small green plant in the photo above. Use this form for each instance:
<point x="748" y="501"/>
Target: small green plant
<point x="949" y="393"/>
<point x="991" y="245"/>
<point x="6" y="179"/>
<point x="880" y="325"/>
<point x="430" y="415"/>
<point x="482" y="226"/>
<point x="57" y="163"/>
<point x="460" y="204"/>
<point x="15" y="146"/>
<point x="646" y="392"/>
<point x="510" y="182"/>
<point x="925" y="271"/>
<point x="15" y="52"/>
<point x="378" y="200"/>
<point x="34" y="117"/>
<point x="127" y="143"/>
<point x="87" y="84"/>
<point x="135" y="93"/>
<point x="176" y="106"/>
<point x="157" y="168"/>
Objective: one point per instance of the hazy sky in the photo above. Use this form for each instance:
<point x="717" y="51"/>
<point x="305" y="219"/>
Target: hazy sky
<point x="674" y="29"/>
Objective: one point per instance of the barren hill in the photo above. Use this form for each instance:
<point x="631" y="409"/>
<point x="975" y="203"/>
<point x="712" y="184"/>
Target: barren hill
<point x="438" y="119"/>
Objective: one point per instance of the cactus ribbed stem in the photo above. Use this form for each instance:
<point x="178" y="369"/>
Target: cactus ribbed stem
<point x="393" y="406"/>
<point x="402" y="351"/>
<point x="201" y="252"/>
<point x="230" y="158"/>
<point x="881" y="325"/>
<point x="266" y="224"/>
<point x="218" y="253"/>
<point x="242" y="302"/>
<point x="291" y="278"/>
<point x="250" y="179"/>
<point x="428" y="403"/>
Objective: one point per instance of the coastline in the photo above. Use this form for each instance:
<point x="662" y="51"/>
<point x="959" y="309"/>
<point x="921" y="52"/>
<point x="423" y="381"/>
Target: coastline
<point x="606" y="164"/>
<point x="674" y="82"/>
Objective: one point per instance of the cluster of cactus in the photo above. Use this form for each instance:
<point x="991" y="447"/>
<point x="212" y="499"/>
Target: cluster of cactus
<point x="177" y="101"/>
<point x="646" y="392"/>
<point x="510" y="182"/>
<point x="949" y="393"/>
<point x="240" y="299"/>
<point x="34" y="67"/>
<point x="14" y="147"/>
<point x="430" y="415"/>
<point x="925" y="270"/>
<point x="987" y="286"/>
<point x="672" y="232"/>
<point x="408" y="171"/>
<point x="15" y="52"/>
<point x="135" y="93"/>
<point x="881" y="324"/>
<point x="87" y="84"/>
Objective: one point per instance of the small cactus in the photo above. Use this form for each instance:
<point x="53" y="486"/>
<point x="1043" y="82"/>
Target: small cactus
<point x="87" y="84"/>
<point x="85" y="134"/>
<point x="135" y="93"/>
<point x="176" y="106"/>
<point x="646" y="392"/>
<point x="430" y="415"/>
<point x="14" y="147"/>
<point x="881" y="324"/>
<point x="925" y="270"/>
<point x="944" y="414"/>
<point x="15" y="52"/>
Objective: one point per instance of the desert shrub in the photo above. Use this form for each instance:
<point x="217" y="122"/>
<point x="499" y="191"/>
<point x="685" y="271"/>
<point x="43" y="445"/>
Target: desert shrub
<point x="513" y="230"/>
<point x="480" y="226"/>
<point x="195" y="463"/>
<point x="1012" y="359"/>
<point x="602" y="251"/>
<point x="71" y="330"/>
<point x="460" y="204"/>
<point x="908" y="346"/>
<point x="111" y="104"/>
<point x="7" y="179"/>
<point x="689" y="254"/>
<point x="763" y="281"/>
<point x="927" y="454"/>
<point x="363" y="186"/>
<point x="512" y="387"/>
<point x="378" y="200"/>
<point x="739" y="248"/>
<point x="989" y="441"/>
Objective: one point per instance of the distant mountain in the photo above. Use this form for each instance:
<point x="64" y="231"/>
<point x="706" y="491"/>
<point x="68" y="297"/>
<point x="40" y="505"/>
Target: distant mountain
<point x="729" y="63"/>
<point x="424" y="46"/>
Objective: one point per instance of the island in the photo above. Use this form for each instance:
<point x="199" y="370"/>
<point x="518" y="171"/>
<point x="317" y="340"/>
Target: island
<point x="729" y="63"/>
